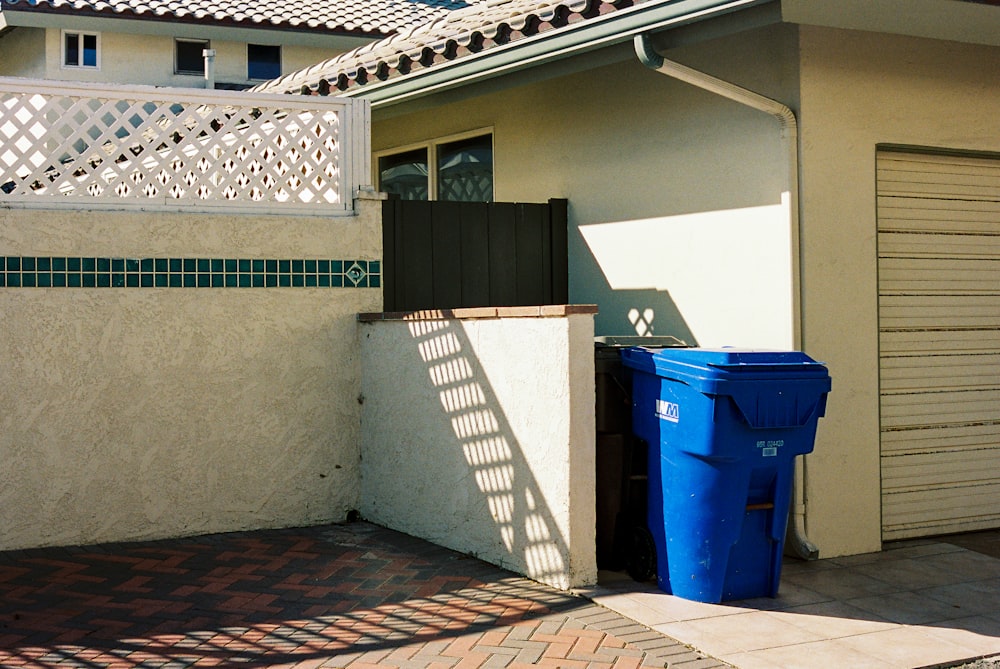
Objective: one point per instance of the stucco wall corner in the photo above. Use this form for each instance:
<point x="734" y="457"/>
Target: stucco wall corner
<point x="367" y="224"/>
<point x="582" y="444"/>
<point x="477" y="435"/>
<point x="861" y="90"/>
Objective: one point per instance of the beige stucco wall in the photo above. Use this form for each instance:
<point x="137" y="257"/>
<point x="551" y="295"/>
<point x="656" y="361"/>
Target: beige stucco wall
<point x="860" y="90"/>
<point x="677" y="221"/>
<point x="478" y="434"/>
<point x="22" y="53"/>
<point x="142" y="412"/>
<point x="149" y="59"/>
<point x="635" y="152"/>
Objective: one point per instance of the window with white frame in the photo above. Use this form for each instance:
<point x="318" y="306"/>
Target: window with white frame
<point x="81" y="49"/>
<point x="456" y="169"/>
<point x="189" y="57"/>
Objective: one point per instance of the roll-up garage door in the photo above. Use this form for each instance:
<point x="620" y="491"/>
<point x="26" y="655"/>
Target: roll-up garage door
<point x="939" y="328"/>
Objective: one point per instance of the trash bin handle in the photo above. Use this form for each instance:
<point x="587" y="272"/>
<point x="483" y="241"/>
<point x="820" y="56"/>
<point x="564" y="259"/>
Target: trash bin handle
<point x="802" y="364"/>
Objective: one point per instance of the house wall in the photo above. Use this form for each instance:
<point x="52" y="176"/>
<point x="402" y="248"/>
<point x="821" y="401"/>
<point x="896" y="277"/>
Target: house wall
<point x="478" y="434"/>
<point x="149" y="59"/>
<point x="653" y="168"/>
<point x="678" y="225"/>
<point x="139" y="413"/>
<point x="859" y="90"/>
<point x="22" y="53"/>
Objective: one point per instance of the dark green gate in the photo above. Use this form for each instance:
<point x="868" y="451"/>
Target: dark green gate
<point x="446" y="255"/>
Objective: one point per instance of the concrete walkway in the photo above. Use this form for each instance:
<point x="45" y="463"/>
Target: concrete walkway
<point x="915" y="604"/>
<point x="350" y="595"/>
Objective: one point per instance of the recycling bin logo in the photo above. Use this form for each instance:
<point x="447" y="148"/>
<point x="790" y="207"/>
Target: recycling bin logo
<point x="668" y="411"/>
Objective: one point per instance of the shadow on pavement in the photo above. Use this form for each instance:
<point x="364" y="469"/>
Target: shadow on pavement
<point x="251" y="599"/>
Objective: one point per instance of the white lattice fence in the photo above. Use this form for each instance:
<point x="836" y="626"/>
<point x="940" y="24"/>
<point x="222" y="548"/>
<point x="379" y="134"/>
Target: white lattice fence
<point x="97" y="145"/>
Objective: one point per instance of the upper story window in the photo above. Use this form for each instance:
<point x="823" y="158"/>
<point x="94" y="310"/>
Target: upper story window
<point x="80" y="49"/>
<point x="456" y="169"/>
<point x="263" y="61"/>
<point x="189" y="58"/>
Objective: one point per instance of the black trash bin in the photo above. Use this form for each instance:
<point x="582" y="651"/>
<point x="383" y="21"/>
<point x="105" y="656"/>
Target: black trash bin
<point x="621" y="466"/>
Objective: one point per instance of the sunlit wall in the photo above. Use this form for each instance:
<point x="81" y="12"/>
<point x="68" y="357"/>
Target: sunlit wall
<point x="678" y="200"/>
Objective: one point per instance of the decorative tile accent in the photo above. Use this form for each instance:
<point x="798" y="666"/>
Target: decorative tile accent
<point x="73" y="272"/>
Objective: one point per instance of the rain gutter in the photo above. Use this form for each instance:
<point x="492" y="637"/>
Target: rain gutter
<point x="648" y="56"/>
<point x="612" y="28"/>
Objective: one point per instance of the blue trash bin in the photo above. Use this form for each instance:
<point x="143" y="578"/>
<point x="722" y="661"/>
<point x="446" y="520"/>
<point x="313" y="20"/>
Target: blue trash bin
<point x="723" y="428"/>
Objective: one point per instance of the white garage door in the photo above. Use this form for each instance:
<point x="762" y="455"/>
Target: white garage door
<point x="939" y="322"/>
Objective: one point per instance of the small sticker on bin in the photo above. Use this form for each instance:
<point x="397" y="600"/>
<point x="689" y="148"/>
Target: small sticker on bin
<point x="769" y="449"/>
<point x="668" y="411"/>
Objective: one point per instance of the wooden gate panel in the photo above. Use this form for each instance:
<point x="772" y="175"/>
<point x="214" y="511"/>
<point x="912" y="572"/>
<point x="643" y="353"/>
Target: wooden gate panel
<point x="442" y="255"/>
<point x="503" y="255"/>
<point x="446" y="253"/>
<point x="416" y="236"/>
<point x="475" y="255"/>
<point x="533" y="273"/>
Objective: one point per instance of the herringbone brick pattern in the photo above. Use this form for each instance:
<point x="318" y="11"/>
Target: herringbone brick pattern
<point x="351" y="595"/>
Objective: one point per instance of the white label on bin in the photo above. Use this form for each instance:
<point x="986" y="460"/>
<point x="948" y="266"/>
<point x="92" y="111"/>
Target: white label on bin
<point x="668" y="411"/>
<point x="769" y="449"/>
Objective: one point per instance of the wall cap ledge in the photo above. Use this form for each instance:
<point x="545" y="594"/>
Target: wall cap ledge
<point x="369" y="193"/>
<point x="472" y="313"/>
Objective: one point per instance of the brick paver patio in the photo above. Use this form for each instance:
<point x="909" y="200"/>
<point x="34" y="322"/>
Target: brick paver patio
<point x="352" y="595"/>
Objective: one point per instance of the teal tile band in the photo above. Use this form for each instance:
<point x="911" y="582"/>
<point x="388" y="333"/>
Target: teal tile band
<point x="84" y="272"/>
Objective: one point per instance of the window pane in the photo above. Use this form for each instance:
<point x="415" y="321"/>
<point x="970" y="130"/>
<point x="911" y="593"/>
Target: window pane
<point x="90" y="50"/>
<point x="72" y="49"/>
<point x="465" y="170"/>
<point x="263" y="61"/>
<point x="404" y="174"/>
<point x="189" y="57"/>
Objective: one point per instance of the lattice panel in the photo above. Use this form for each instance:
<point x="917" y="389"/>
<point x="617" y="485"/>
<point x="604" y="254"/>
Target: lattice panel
<point x="137" y="144"/>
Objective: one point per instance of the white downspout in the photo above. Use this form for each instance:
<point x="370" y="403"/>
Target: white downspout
<point x="796" y="540"/>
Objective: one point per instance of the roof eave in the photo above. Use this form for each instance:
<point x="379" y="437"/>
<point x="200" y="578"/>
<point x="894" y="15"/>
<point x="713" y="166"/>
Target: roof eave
<point x="578" y="38"/>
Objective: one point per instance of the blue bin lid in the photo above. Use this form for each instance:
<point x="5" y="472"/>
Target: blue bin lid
<point x="710" y="369"/>
<point x="772" y="389"/>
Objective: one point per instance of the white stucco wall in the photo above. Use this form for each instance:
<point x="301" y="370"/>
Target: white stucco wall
<point x="478" y="434"/>
<point x="860" y="90"/>
<point x="678" y="219"/>
<point x="137" y="413"/>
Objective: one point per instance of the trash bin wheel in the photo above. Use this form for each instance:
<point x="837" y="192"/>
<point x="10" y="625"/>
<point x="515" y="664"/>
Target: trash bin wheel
<point x="642" y="558"/>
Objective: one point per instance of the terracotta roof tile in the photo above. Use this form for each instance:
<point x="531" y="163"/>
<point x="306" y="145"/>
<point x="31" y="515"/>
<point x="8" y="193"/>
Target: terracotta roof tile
<point x="485" y="25"/>
<point x="376" y="18"/>
<point x="476" y="28"/>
